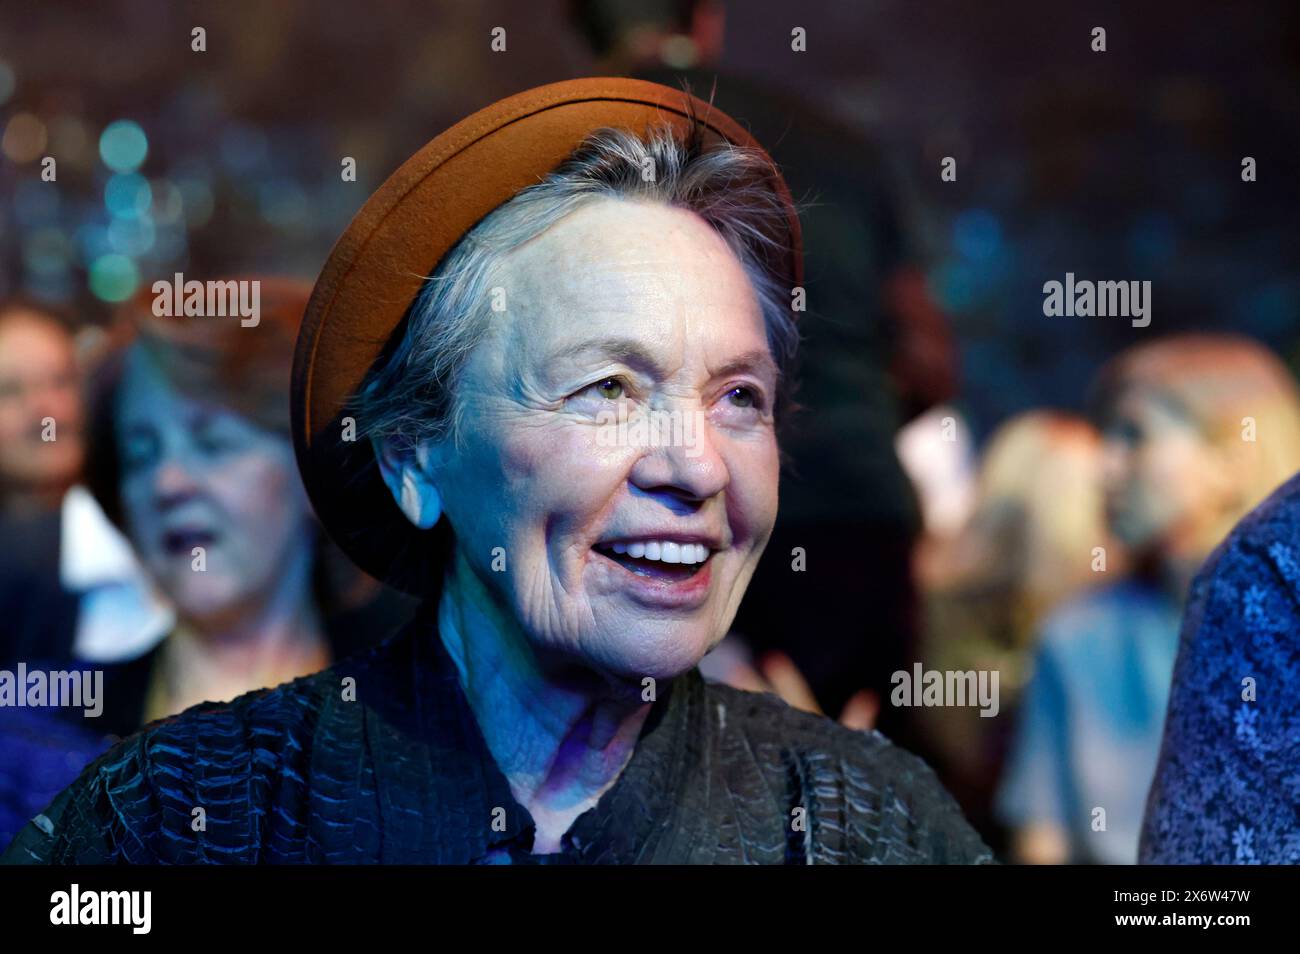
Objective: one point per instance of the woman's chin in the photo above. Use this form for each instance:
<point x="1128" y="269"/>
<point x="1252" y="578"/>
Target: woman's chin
<point x="209" y="605"/>
<point x="658" y="652"/>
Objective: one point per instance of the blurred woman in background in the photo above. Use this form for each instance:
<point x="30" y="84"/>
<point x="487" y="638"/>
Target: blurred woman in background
<point x="190" y="453"/>
<point x="1026" y="546"/>
<point x="1198" y="429"/>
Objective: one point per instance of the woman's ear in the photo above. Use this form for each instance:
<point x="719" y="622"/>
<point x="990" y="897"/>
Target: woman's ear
<point x="408" y="473"/>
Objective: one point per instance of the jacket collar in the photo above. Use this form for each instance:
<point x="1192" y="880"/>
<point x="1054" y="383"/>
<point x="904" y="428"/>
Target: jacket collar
<point x="445" y="800"/>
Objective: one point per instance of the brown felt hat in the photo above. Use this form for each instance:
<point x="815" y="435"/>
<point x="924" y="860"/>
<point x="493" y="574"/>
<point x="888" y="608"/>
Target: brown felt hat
<point x="378" y="267"/>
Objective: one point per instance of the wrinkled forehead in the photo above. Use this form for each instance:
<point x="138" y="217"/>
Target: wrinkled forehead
<point x="653" y="273"/>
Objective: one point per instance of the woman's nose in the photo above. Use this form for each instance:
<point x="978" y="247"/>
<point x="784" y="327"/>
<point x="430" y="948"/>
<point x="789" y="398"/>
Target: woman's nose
<point x="173" y="481"/>
<point x="686" y="464"/>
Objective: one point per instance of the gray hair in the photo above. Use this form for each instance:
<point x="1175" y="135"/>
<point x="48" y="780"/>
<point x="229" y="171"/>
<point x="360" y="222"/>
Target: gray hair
<point x="410" y="395"/>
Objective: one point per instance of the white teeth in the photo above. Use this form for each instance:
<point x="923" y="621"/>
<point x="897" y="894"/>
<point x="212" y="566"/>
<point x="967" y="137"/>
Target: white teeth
<point x="665" y="551"/>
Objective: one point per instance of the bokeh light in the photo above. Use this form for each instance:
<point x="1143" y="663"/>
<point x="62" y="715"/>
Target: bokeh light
<point x="24" y="138"/>
<point x="123" y="146"/>
<point x="977" y="235"/>
<point x="91" y="242"/>
<point x="167" y="207"/>
<point x="283" y="203"/>
<point x="133" y="237"/>
<point x="70" y="140"/>
<point x="47" y="252"/>
<point x="113" y="277"/>
<point x="127" y="195"/>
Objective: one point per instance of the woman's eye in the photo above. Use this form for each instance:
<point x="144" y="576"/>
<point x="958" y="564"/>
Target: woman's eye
<point x="742" y="396"/>
<point x="136" y="452"/>
<point x="211" y="445"/>
<point x="611" y="389"/>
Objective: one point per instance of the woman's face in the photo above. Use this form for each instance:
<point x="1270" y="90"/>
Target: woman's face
<point x="196" y="475"/>
<point x="1163" y="480"/>
<point x="38" y="384"/>
<point x="639" y="310"/>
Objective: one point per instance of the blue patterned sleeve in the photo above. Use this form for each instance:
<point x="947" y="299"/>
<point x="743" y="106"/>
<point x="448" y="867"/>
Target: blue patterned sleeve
<point x="1227" y="785"/>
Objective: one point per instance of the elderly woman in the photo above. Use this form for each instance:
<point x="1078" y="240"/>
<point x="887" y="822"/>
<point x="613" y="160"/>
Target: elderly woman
<point x="462" y="437"/>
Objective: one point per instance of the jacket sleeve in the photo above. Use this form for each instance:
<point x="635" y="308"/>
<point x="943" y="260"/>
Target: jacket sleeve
<point x="1226" y="785"/>
<point x="177" y="792"/>
<point x="77" y="827"/>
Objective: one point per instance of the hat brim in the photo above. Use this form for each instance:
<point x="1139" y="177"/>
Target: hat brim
<point x="395" y="242"/>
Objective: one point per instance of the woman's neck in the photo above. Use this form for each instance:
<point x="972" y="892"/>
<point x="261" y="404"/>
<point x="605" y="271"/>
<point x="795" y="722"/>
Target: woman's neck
<point x="265" y="642"/>
<point x="560" y="733"/>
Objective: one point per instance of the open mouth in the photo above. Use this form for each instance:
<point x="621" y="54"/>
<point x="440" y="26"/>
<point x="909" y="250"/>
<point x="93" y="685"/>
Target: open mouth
<point x="661" y="560"/>
<point x="181" y="542"/>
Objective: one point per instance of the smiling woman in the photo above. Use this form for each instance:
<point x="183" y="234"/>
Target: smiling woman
<point x="530" y="475"/>
<point x="545" y="705"/>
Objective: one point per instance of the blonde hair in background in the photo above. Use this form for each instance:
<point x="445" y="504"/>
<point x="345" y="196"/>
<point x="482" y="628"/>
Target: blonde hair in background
<point x="1029" y="543"/>
<point x="1038" y="513"/>
<point x="1234" y="390"/>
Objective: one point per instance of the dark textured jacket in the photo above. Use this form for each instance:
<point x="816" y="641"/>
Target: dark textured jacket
<point x="300" y="774"/>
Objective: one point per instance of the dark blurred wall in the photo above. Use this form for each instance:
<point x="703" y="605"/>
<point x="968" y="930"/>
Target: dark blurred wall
<point x="1116" y="165"/>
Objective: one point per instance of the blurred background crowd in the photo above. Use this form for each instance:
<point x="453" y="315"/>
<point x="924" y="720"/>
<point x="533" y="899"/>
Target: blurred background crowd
<point x="977" y="486"/>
